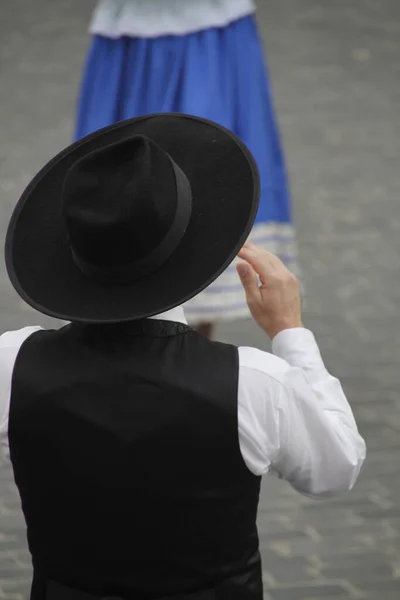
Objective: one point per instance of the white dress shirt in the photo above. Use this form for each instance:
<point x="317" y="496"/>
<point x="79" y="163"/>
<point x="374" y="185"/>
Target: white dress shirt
<point x="294" y="419"/>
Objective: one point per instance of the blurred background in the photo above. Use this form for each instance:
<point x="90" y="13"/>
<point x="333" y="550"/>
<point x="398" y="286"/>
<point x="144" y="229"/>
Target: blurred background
<point x="335" y="69"/>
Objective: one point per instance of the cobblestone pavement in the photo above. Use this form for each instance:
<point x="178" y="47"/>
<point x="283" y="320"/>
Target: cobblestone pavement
<point x="336" y="72"/>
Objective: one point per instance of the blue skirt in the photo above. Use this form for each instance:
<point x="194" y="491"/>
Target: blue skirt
<point x="218" y="74"/>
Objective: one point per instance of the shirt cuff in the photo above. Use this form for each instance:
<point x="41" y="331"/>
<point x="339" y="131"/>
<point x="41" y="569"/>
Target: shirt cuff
<point x="298" y="347"/>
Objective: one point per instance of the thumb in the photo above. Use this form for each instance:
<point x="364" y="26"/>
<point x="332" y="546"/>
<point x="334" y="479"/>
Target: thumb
<point x="249" y="280"/>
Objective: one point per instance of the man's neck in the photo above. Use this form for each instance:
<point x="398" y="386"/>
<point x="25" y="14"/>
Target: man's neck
<point x="175" y="314"/>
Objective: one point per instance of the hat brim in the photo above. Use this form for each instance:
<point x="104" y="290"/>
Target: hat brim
<point x="225" y="188"/>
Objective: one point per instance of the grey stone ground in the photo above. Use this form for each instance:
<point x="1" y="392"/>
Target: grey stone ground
<point x="336" y="73"/>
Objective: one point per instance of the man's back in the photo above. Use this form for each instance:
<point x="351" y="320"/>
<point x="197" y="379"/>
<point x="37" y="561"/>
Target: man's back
<point x="137" y="448"/>
<point x="139" y="441"/>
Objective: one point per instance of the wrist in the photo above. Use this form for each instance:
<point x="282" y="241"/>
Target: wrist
<point x="277" y="327"/>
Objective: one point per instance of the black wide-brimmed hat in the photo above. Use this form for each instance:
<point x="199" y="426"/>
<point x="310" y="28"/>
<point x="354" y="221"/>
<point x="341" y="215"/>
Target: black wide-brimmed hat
<point x="132" y="220"/>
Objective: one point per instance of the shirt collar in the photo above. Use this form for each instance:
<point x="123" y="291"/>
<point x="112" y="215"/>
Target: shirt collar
<point x="176" y="314"/>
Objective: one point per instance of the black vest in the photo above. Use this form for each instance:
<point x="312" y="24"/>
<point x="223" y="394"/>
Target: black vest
<point x="124" y="444"/>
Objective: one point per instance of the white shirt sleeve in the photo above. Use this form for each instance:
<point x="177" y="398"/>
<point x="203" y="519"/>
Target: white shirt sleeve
<point x="294" y="418"/>
<point x="10" y="343"/>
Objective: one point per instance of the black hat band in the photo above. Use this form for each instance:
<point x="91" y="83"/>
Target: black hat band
<point x="129" y="272"/>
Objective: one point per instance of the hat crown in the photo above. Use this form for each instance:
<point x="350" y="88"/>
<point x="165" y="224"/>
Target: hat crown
<point x="119" y="204"/>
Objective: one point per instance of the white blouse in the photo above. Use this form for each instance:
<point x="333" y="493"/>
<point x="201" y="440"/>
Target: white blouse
<point x="153" y="18"/>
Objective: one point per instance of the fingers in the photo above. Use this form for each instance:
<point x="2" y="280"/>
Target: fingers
<point x="262" y="261"/>
<point x="261" y="253"/>
<point x="249" y="280"/>
<point x="267" y="265"/>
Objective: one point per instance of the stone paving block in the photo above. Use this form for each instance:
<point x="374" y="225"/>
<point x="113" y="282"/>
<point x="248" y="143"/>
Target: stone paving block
<point x="361" y="576"/>
<point x="16" y="585"/>
<point x="11" y="542"/>
<point x="378" y="513"/>
<point x="382" y="596"/>
<point x="288" y="570"/>
<point x="380" y="587"/>
<point x="304" y="592"/>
